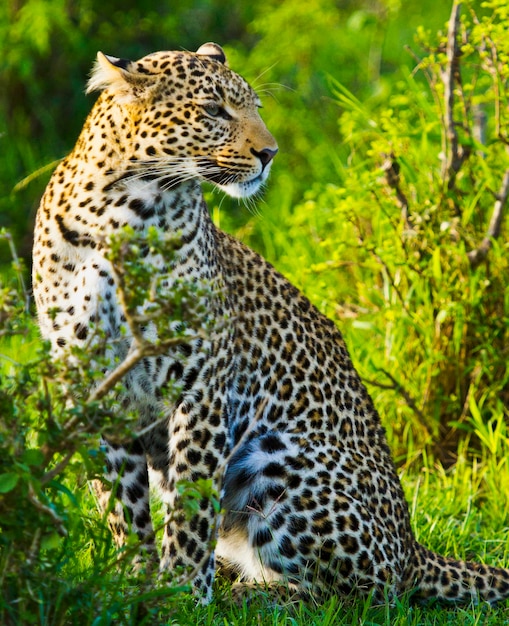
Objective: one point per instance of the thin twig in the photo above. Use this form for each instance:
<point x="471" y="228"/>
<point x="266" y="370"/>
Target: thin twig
<point x="34" y="547"/>
<point x="391" y="169"/>
<point x="397" y="290"/>
<point x="117" y="374"/>
<point x="398" y="387"/>
<point x="478" y="255"/>
<point x="47" y="510"/>
<point x="59" y="467"/>
<point x="456" y="154"/>
<point x="140" y="351"/>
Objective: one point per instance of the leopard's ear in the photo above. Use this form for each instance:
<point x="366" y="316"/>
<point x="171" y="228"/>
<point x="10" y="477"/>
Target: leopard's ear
<point x="110" y="71"/>
<point x="214" y="51"/>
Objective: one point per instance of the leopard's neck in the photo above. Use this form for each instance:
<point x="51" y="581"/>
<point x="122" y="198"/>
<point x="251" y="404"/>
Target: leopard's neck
<point x="180" y="210"/>
<point x="111" y="201"/>
<point x="72" y="243"/>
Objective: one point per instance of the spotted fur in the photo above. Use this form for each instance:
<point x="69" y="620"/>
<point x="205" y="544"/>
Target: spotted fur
<point x="310" y="493"/>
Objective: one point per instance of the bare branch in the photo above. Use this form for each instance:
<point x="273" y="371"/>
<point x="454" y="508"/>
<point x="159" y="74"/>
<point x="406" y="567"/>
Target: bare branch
<point x="117" y="374"/>
<point x="139" y="352"/>
<point x="456" y="154"/>
<point x="478" y="255"/>
<point x="391" y="169"/>
<point x="395" y="385"/>
<point x="59" y="524"/>
<point x="59" y="467"/>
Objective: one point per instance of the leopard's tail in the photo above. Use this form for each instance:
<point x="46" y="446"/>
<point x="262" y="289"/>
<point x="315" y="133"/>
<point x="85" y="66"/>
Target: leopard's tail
<point x="438" y="577"/>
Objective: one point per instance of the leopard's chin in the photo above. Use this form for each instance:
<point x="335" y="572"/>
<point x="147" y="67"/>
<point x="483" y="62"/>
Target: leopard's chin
<point x="246" y="188"/>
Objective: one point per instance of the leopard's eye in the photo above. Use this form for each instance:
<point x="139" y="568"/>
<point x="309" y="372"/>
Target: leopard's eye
<point x="212" y="109"/>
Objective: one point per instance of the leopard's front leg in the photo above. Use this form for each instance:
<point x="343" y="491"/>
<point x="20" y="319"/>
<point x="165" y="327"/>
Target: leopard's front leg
<point x="198" y="445"/>
<point x="124" y="496"/>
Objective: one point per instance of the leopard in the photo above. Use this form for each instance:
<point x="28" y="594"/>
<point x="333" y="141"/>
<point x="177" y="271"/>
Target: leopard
<point x="271" y="409"/>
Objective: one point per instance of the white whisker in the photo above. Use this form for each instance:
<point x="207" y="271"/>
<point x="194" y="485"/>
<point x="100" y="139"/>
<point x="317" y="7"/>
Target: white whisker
<point x="166" y="172"/>
<point x="181" y="169"/>
<point x="254" y="83"/>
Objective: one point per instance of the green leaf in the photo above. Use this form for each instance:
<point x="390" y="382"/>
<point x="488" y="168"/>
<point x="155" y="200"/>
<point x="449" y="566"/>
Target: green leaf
<point x="437" y="265"/>
<point x="51" y="542"/>
<point x="33" y="457"/>
<point x="8" y="481"/>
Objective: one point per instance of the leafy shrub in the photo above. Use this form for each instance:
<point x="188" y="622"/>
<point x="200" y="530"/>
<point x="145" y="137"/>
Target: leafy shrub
<point x="52" y="413"/>
<point x="408" y="247"/>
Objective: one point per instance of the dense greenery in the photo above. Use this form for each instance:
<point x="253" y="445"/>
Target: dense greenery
<point x="385" y="206"/>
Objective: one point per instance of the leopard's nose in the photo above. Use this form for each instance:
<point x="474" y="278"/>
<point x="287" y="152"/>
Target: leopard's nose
<point x="266" y="155"/>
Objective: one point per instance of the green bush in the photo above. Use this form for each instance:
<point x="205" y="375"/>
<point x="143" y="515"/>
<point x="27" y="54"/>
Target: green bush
<point x="52" y="415"/>
<point x="407" y="250"/>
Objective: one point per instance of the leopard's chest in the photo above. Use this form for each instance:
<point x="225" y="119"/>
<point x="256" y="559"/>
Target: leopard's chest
<point x="73" y="294"/>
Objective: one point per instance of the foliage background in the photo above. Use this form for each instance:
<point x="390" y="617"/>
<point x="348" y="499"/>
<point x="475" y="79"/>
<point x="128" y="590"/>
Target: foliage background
<point x="336" y="78"/>
<point x="48" y="47"/>
<point x="347" y="104"/>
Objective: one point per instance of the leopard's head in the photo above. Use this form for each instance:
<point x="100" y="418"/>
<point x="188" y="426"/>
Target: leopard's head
<point x="179" y="116"/>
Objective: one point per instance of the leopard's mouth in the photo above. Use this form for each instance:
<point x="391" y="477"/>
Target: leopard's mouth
<point x="234" y="183"/>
